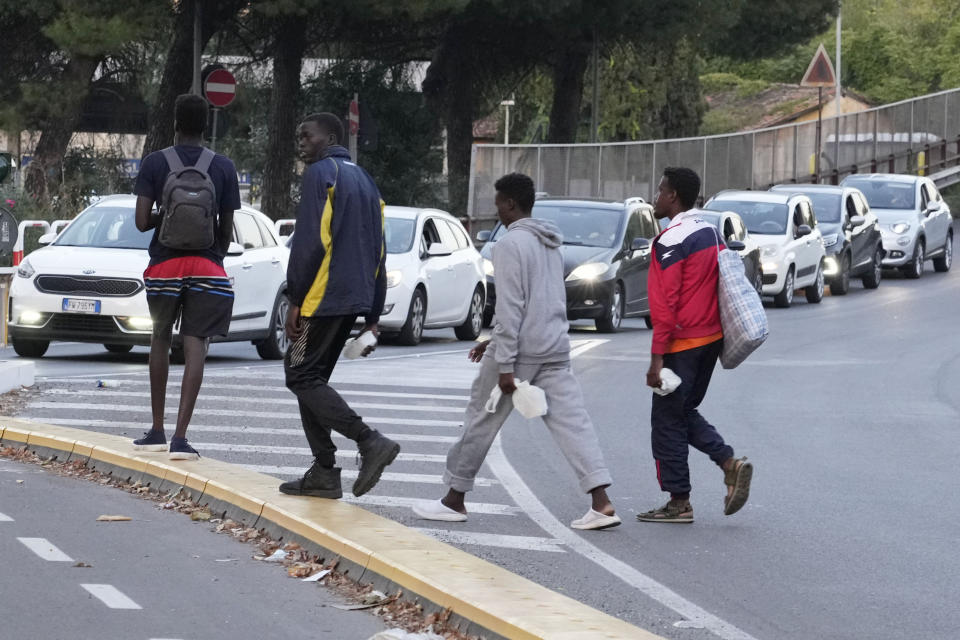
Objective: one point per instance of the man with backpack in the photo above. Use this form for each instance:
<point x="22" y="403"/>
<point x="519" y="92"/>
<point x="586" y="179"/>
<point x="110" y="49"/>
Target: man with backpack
<point x="197" y="192"/>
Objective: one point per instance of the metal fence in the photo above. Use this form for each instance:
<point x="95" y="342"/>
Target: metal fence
<point x="914" y="136"/>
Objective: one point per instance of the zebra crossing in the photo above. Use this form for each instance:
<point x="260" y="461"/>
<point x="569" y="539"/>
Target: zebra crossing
<point x="246" y="416"/>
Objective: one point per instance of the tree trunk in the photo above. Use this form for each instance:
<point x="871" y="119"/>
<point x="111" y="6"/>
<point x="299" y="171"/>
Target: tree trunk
<point x="568" y="73"/>
<point x="290" y="43"/>
<point x="46" y="166"/>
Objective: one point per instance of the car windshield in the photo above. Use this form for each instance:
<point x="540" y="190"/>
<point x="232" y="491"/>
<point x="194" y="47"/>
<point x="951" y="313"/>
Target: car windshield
<point x="399" y="234"/>
<point x="764" y="218"/>
<point x="883" y="194"/>
<point x="105" y="227"/>
<point x="580" y="225"/>
<point x="712" y="218"/>
<point x="826" y="206"/>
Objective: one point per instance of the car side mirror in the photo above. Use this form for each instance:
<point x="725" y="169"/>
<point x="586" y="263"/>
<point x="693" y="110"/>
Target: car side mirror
<point x="932" y="207"/>
<point x="736" y="245"/>
<point x="804" y="230"/>
<point x="235" y="249"/>
<point x="47" y="238"/>
<point x="639" y="244"/>
<point x="438" y="250"/>
<point x="483" y="236"/>
<point x="856" y="221"/>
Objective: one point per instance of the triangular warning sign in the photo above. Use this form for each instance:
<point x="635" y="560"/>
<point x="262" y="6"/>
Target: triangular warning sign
<point x="820" y="72"/>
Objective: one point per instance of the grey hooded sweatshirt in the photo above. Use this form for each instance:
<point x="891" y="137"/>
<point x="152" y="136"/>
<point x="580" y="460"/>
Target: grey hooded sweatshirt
<point x="531" y="297"/>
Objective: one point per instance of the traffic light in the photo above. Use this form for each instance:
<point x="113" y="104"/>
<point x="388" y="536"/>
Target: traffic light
<point x="6" y="164"/>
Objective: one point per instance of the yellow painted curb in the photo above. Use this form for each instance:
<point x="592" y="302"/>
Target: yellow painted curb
<point x="492" y="598"/>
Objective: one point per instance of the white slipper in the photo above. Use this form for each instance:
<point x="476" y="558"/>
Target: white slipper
<point x="596" y="520"/>
<point x="436" y="510"/>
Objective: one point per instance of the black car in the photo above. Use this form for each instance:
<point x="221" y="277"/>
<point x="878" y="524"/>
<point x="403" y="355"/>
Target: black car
<point x="734" y="233"/>
<point x="606" y="256"/>
<point x="851" y="234"/>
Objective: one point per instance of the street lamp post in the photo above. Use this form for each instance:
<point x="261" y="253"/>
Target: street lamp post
<point x="506" y="104"/>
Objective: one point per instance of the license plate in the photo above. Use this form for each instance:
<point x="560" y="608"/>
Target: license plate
<point x="74" y="305"/>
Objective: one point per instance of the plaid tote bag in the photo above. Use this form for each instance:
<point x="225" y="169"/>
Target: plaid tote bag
<point x="742" y="315"/>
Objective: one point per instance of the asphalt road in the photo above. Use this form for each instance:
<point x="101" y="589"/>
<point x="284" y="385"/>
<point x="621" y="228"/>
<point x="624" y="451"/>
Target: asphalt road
<point x="157" y="576"/>
<point x="849" y="412"/>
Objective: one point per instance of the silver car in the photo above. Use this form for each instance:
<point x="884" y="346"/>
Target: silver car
<point x="915" y="221"/>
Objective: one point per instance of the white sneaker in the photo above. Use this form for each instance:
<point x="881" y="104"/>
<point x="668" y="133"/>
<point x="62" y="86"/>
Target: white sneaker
<point x="436" y="510"/>
<point x="596" y="520"/>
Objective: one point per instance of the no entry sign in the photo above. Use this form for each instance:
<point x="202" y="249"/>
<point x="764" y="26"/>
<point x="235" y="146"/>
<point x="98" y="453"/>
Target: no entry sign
<point x="220" y="88"/>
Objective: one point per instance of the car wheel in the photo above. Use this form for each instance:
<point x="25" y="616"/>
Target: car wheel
<point x="610" y="322"/>
<point x="412" y="329"/>
<point x="785" y="298"/>
<point x="647" y="320"/>
<point x="841" y="284"/>
<point x="814" y="292"/>
<point x="472" y="326"/>
<point x="274" y="346"/>
<point x="944" y="262"/>
<point x="118" y="348"/>
<point x="30" y="348"/>
<point x="487" y="318"/>
<point x="915" y="269"/>
<point x="872" y="279"/>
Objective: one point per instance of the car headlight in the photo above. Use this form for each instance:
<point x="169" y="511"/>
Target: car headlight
<point x="589" y="271"/>
<point x="769" y="251"/>
<point x="394" y="278"/>
<point x="830" y="240"/>
<point x="31" y="317"/>
<point x="26" y="270"/>
<point x="900" y="227"/>
<point x="830" y="266"/>
<point x="488" y="267"/>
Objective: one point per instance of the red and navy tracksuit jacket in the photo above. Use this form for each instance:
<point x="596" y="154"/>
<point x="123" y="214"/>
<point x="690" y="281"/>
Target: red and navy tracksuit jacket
<point x="682" y="285"/>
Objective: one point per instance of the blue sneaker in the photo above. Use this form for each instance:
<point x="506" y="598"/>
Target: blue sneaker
<point x="151" y="441"/>
<point x="180" y="450"/>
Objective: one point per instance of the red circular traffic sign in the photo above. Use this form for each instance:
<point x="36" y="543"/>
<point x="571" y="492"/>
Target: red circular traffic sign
<point x="220" y="88"/>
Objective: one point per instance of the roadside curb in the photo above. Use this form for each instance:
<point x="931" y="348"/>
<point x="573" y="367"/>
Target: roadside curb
<point x="484" y="598"/>
<point x="15" y="374"/>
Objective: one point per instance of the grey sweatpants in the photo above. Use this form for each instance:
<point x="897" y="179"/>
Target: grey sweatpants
<point x="566" y="419"/>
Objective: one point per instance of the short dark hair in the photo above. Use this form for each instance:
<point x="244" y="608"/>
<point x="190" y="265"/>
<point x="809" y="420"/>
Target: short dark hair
<point x="519" y="187"/>
<point x="685" y="182"/>
<point x="329" y="122"/>
<point x="190" y="114"/>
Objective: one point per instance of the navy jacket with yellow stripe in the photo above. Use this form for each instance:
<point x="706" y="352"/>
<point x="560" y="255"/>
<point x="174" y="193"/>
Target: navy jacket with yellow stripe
<point x="338" y="259"/>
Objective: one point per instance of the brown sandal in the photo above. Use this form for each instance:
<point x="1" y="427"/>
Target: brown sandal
<point x="738" y="477"/>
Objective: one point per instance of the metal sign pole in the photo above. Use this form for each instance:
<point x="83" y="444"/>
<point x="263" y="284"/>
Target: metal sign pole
<point x="213" y="136"/>
<point x="816" y="163"/>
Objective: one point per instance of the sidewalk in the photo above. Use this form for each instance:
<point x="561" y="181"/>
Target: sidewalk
<point x="485" y="599"/>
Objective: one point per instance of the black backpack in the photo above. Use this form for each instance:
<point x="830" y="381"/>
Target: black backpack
<point x="189" y="204"/>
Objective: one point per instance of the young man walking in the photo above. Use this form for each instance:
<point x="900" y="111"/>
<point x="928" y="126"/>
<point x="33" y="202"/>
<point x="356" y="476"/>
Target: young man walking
<point x="529" y="343"/>
<point x="687" y="339"/>
<point x="189" y="286"/>
<point x="336" y="273"/>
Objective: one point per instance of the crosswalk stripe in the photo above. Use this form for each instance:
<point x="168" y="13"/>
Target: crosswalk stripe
<point x="267" y="415"/>
<point x="304" y="451"/>
<point x="388" y="476"/>
<point x="206" y="428"/>
<point x="110" y="596"/>
<point x="5" y="518"/>
<point x="45" y="549"/>
<point x="291" y="401"/>
<point x="525" y="543"/>
<point x="399" y="501"/>
<point x="373" y="392"/>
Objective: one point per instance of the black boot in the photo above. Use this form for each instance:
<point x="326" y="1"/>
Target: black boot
<point x="376" y="452"/>
<point x="319" y="482"/>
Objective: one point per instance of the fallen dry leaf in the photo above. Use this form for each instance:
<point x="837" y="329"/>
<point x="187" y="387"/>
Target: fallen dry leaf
<point x="19" y="481"/>
<point x="83" y="565"/>
<point x="114" y="519"/>
<point x="200" y="516"/>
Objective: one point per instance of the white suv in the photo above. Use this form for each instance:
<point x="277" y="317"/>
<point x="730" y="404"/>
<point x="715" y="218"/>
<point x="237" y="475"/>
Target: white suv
<point x="791" y="245"/>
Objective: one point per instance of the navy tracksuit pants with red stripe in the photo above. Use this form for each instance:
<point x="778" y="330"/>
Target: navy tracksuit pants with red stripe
<point x="677" y="425"/>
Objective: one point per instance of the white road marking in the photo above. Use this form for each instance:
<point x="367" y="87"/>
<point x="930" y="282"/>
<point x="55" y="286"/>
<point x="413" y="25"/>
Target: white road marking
<point x="291" y="401"/>
<point x="207" y="428"/>
<point x="110" y="596"/>
<point x="5" y="518"/>
<point x="304" y="451"/>
<point x="266" y="415"/>
<point x="43" y="548"/>
<point x="582" y="346"/>
<point x="419" y="478"/>
<point x="541" y="515"/>
<point x="524" y="543"/>
<point x="398" y="501"/>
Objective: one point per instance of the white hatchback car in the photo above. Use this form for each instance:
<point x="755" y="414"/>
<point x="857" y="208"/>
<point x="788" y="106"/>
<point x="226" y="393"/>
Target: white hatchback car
<point x="791" y="245"/>
<point x="435" y="275"/>
<point x="87" y="284"/>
